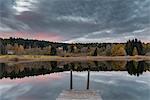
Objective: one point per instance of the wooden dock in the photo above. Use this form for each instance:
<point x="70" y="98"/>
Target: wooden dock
<point x="79" y="95"/>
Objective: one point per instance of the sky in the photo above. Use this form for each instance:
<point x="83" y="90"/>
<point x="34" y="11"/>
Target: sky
<point x="76" y="20"/>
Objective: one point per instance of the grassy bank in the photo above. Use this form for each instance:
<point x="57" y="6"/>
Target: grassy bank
<point x="26" y="58"/>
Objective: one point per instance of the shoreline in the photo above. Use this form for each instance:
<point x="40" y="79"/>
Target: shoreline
<point x="31" y="58"/>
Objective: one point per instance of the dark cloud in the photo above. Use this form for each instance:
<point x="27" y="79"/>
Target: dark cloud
<point x="74" y="19"/>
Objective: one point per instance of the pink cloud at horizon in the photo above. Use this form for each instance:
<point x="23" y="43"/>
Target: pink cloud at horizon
<point x="47" y="37"/>
<point x="54" y="37"/>
<point x="37" y="36"/>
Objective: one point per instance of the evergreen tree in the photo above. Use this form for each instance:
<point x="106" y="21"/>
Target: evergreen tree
<point x="65" y="48"/>
<point x="129" y="47"/>
<point x="140" y="48"/>
<point x="95" y="52"/>
<point x="72" y="49"/>
<point x="53" y="51"/>
<point x="134" y="43"/>
<point x="2" y="48"/>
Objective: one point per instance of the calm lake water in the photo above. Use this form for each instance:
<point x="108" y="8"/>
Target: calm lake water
<point x="115" y="80"/>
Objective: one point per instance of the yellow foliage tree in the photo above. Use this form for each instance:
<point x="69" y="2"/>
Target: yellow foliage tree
<point x="16" y="48"/>
<point x="9" y="47"/>
<point x="20" y="49"/>
<point x="118" y="50"/>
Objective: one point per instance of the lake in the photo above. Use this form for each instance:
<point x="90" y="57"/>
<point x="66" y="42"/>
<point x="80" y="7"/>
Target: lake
<point x="115" y="80"/>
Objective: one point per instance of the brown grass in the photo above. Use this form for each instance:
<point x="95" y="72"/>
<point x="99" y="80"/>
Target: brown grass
<point x="25" y="58"/>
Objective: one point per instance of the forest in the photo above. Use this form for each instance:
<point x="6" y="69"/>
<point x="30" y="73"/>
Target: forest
<point x="20" y="46"/>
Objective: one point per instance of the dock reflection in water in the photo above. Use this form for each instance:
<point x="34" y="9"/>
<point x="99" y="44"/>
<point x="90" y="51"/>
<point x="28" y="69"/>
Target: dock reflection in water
<point x="79" y="94"/>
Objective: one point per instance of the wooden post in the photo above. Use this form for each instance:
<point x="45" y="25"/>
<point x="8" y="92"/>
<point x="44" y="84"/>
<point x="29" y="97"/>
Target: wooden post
<point x="88" y="80"/>
<point x="71" y="80"/>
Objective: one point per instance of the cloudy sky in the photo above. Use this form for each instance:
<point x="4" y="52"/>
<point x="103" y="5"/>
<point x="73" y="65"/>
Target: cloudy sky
<point x="76" y="20"/>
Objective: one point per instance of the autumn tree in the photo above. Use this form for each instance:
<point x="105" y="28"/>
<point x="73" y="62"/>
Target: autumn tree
<point x="20" y="49"/>
<point x="16" y="48"/>
<point x="9" y="47"/>
<point x="118" y="50"/>
<point x="48" y="50"/>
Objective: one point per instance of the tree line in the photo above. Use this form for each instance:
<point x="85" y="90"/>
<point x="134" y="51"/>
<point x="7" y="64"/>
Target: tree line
<point x="36" y="47"/>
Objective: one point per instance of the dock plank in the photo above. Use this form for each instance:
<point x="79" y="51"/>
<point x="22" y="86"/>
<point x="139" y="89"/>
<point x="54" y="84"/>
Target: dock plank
<point x="79" y="95"/>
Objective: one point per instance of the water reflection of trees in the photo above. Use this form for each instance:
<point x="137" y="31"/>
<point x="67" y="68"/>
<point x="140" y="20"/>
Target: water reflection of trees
<point x="29" y="69"/>
<point x="136" y="68"/>
<point x="41" y="68"/>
